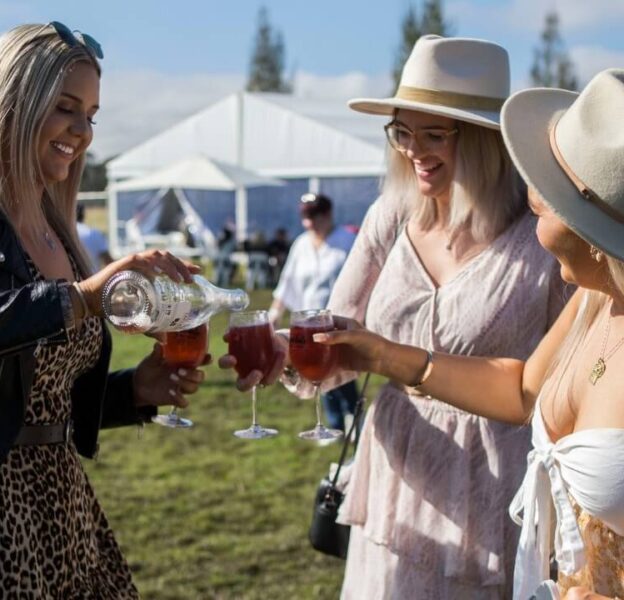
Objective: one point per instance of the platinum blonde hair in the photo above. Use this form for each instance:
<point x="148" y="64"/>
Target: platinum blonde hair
<point x="33" y="63"/>
<point x="487" y="194"/>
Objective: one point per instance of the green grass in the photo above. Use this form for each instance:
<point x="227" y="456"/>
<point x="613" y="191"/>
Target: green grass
<point x="202" y="514"/>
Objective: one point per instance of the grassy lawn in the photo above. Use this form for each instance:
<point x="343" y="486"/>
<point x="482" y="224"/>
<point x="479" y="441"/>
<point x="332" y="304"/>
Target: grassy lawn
<point x="202" y="514"/>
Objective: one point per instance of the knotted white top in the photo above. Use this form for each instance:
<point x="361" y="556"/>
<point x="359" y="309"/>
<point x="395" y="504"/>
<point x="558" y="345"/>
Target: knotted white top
<point x="588" y="465"/>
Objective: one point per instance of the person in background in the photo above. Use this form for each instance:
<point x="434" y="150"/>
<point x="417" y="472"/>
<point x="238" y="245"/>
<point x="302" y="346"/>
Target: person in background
<point x="224" y="267"/>
<point x="277" y="249"/>
<point x="93" y="240"/>
<point x="571" y="501"/>
<point x="55" y="388"/>
<point x="311" y="269"/>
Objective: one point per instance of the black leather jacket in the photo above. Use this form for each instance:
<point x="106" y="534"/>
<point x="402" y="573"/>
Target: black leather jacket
<point x="31" y="312"/>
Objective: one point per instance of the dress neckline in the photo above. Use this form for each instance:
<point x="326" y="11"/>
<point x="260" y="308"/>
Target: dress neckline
<point x="470" y="264"/>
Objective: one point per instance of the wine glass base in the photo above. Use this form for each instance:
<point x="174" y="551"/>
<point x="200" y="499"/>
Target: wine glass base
<point x="320" y="432"/>
<point x="255" y="432"/>
<point x="172" y="420"/>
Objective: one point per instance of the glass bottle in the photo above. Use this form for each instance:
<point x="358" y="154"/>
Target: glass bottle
<point x="134" y="303"/>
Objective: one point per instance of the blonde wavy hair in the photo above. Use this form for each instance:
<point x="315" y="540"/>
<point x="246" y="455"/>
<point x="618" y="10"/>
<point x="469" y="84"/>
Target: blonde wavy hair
<point x="33" y="63"/>
<point x="487" y="194"/>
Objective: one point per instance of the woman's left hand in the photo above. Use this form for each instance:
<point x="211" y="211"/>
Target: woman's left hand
<point x="583" y="593"/>
<point x="157" y="384"/>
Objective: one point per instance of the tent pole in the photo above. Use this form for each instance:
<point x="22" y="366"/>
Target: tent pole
<point x="241" y="214"/>
<point x="241" y="192"/>
<point x="314" y="185"/>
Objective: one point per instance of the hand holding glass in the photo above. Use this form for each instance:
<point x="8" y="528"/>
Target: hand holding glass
<point x="184" y="349"/>
<point x="313" y="361"/>
<point x="250" y="342"/>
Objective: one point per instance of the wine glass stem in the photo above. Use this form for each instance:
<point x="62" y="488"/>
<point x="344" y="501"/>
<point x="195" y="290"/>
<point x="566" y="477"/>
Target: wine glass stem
<point x="253" y="406"/>
<point x="317" y="399"/>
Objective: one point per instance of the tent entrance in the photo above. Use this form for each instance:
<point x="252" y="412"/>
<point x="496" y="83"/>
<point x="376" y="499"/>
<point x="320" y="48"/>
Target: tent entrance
<point x="167" y="220"/>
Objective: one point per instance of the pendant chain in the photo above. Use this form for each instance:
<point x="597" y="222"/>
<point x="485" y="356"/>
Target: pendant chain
<point x="49" y="241"/>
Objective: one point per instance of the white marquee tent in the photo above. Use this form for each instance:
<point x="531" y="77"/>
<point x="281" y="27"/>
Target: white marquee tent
<point x="309" y="145"/>
<point x="165" y="210"/>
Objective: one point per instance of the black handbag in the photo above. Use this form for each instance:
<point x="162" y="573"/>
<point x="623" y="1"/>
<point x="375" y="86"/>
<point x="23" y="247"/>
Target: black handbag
<point x="325" y="534"/>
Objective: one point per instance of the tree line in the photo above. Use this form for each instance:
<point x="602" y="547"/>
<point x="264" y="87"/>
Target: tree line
<point x="551" y="67"/>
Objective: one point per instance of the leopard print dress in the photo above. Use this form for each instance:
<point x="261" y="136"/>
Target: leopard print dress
<point x="55" y="541"/>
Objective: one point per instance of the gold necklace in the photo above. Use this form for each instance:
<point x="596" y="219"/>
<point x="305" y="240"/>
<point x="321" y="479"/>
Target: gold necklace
<point x="598" y="370"/>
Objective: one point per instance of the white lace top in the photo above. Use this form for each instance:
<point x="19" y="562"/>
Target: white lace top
<point x="430" y="482"/>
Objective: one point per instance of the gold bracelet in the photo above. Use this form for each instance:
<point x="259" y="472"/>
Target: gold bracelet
<point x="82" y="299"/>
<point x="427" y="370"/>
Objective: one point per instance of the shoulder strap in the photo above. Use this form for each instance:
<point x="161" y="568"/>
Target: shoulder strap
<point x="354" y="427"/>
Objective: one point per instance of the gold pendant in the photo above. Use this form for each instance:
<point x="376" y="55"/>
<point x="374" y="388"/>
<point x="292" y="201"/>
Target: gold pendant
<point x="597" y="371"/>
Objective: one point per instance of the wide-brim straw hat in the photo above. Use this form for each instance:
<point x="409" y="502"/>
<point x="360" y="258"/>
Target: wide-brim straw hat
<point x="570" y="148"/>
<point x="462" y="78"/>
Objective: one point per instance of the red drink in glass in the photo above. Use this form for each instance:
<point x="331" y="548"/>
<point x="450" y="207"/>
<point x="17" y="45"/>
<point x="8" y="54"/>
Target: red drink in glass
<point x="186" y="348"/>
<point x="250" y="341"/>
<point x="314" y="361"/>
<point x="252" y="346"/>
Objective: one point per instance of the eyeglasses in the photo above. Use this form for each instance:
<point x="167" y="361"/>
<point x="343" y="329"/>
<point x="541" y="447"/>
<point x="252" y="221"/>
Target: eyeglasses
<point x="309" y="197"/>
<point x="73" y="38"/>
<point x="428" y="139"/>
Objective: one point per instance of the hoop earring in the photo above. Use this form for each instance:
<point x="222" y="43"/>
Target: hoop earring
<point x="596" y="254"/>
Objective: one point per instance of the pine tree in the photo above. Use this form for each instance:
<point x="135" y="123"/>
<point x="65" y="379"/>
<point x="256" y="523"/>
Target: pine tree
<point x="551" y="65"/>
<point x="267" y="60"/>
<point x="432" y="21"/>
<point x="410" y="32"/>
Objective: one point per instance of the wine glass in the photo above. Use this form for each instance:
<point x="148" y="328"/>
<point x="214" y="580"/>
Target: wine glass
<point x="183" y="349"/>
<point x="313" y="361"/>
<point x="250" y="341"/>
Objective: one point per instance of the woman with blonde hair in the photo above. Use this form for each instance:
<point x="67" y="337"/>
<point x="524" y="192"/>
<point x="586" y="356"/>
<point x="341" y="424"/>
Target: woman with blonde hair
<point x="55" y="390"/>
<point x="570" y="150"/>
<point x="446" y="259"/>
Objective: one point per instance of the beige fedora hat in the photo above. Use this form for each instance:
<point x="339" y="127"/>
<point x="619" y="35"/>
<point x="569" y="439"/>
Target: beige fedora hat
<point x="462" y="78"/>
<point x="570" y="148"/>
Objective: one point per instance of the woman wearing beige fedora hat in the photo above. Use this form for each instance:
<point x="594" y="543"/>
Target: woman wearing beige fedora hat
<point x="448" y="259"/>
<point x="570" y="150"/>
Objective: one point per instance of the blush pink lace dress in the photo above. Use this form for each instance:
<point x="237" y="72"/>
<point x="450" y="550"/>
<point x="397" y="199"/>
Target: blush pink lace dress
<point x="431" y="485"/>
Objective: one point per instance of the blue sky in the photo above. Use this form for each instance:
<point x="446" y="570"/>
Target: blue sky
<point x="165" y="60"/>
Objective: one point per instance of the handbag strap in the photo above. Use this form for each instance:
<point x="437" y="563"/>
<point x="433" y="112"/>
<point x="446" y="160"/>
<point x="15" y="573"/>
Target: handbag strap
<point x="354" y="426"/>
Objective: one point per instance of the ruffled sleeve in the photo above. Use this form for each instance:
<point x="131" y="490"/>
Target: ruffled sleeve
<point x="380" y="228"/>
<point x="359" y="275"/>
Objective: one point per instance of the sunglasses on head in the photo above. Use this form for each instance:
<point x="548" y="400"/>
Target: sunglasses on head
<point x="309" y="197"/>
<point x="73" y="38"/>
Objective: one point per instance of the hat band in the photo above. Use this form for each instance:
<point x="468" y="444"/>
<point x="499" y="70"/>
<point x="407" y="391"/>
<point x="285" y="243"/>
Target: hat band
<point x="449" y="99"/>
<point x="578" y="183"/>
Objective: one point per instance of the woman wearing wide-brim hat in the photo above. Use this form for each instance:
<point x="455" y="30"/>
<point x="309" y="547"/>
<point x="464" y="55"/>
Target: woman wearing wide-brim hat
<point x="446" y="259"/>
<point x="570" y="150"/>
